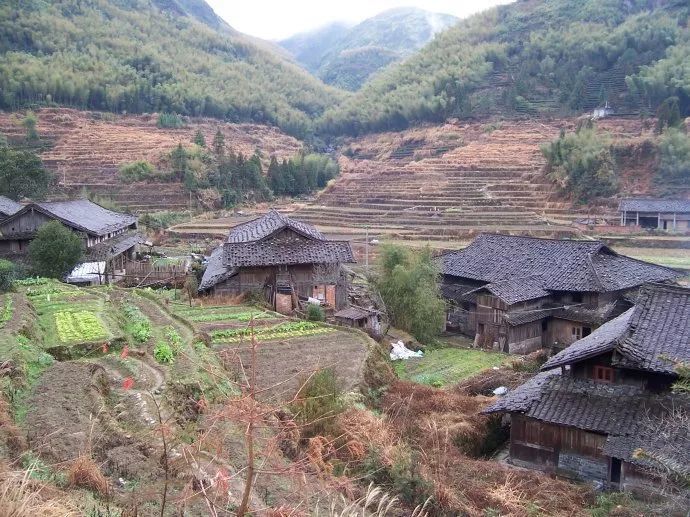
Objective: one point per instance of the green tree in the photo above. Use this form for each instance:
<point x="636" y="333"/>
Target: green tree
<point x="668" y="114"/>
<point x="29" y="123"/>
<point x="22" y="175"/>
<point x="178" y="160"/>
<point x="55" y="250"/>
<point x="408" y="283"/>
<point x="199" y="138"/>
<point x="219" y="144"/>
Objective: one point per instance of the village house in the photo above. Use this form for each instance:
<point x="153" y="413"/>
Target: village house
<point x="110" y="238"/>
<point x="285" y="260"/>
<point x="603" y="409"/>
<point x="519" y="294"/>
<point x="662" y="214"/>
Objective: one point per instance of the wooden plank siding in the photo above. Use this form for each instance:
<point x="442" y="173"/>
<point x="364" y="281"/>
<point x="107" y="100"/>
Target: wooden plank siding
<point x="567" y="451"/>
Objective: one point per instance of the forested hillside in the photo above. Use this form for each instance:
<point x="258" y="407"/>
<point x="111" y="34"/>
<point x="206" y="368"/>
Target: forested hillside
<point x="149" y="56"/>
<point x="533" y="57"/>
<point x="347" y="57"/>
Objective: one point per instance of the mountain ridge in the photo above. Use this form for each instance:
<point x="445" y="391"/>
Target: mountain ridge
<point x="346" y="56"/>
<point x="150" y="56"/>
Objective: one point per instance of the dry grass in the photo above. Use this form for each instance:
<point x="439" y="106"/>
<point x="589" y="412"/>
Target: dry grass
<point x="84" y="473"/>
<point x="432" y="422"/>
<point x="9" y="432"/>
<point x="375" y="503"/>
<point x="22" y="497"/>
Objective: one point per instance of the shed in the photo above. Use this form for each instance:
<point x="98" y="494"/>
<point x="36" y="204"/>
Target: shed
<point x="662" y="214"/>
<point x="358" y="317"/>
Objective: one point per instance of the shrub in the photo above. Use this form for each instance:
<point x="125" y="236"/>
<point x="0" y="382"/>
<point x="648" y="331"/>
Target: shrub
<point x="319" y="402"/>
<point x="137" y="324"/>
<point x="8" y="274"/>
<point x="55" y="250"/>
<point x="163" y="352"/>
<point x="163" y="220"/>
<point x="84" y="473"/>
<point x="315" y="312"/>
<point x="136" y="171"/>
<point x="169" y="120"/>
<point x="29" y="123"/>
<point x="581" y="163"/>
<point x="674" y="156"/>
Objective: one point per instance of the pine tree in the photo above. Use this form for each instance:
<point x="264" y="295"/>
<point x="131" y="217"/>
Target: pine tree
<point x="199" y="139"/>
<point x="179" y="161"/>
<point x="219" y="144"/>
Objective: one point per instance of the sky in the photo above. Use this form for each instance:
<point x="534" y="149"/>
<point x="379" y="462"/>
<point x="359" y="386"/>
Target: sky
<point x="279" y="19"/>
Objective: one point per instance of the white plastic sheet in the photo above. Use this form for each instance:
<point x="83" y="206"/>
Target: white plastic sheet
<point x="400" y="351"/>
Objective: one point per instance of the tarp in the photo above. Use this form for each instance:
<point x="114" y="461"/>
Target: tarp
<point x="400" y="351"/>
<point x="87" y="272"/>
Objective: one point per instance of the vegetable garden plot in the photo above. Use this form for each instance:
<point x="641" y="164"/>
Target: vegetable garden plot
<point x="79" y="327"/>
<point x="287" y="330"/>
<point x="201" y="316"/>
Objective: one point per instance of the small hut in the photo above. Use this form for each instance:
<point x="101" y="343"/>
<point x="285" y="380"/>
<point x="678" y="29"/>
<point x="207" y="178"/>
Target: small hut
<point x="358" y="317"/>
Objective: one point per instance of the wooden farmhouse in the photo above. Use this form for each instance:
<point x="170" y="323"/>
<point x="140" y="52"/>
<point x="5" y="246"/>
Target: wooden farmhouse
<point x="519" y="294"/>
<point x="603" y="408"/>
<point x="285" y="260"/>
<point x="110" y="238"/>
<point x="662" y="214"/>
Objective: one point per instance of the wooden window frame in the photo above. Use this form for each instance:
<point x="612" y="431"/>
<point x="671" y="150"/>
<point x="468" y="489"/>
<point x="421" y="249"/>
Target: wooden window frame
<point x="576" y="333"/>
<point x="603" y="373"/>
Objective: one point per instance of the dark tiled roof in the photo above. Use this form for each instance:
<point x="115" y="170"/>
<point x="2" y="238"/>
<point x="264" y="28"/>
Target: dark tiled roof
<point x="631" y="418"/>
<point x="662" y="435"/>
<point x="522" y="398"/>
<point x="515" y="318"/>
<point x="268" y="253"/>
<point x="517" y="290"/>
<point x="659" y="330"/>
<point x="563" y="265"/>
<point x="603" y="339"/>
<point x="114" y="246"/>
<point x="654" y="205"/>
<point x="619" y="272"/>
<point x="581" y="403"/>
<point x="82" y="215"/>
<point x="592" y="315"/>
<point x="9" y="207"/>
<point x="266" y="225"/>
<point x="653" y="336"/>
<point x="215" y="271"/>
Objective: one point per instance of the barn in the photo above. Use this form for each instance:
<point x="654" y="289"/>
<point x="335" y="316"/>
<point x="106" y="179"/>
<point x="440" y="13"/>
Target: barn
<point x="283" y="259"/>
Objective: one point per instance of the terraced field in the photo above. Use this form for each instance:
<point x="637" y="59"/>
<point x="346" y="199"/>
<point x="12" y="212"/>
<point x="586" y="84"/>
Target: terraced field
<point x="442" y="185"/>
<point x="87" y="149"/>
<point x="288" y="351"/>
<point x="451" y="182"/>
